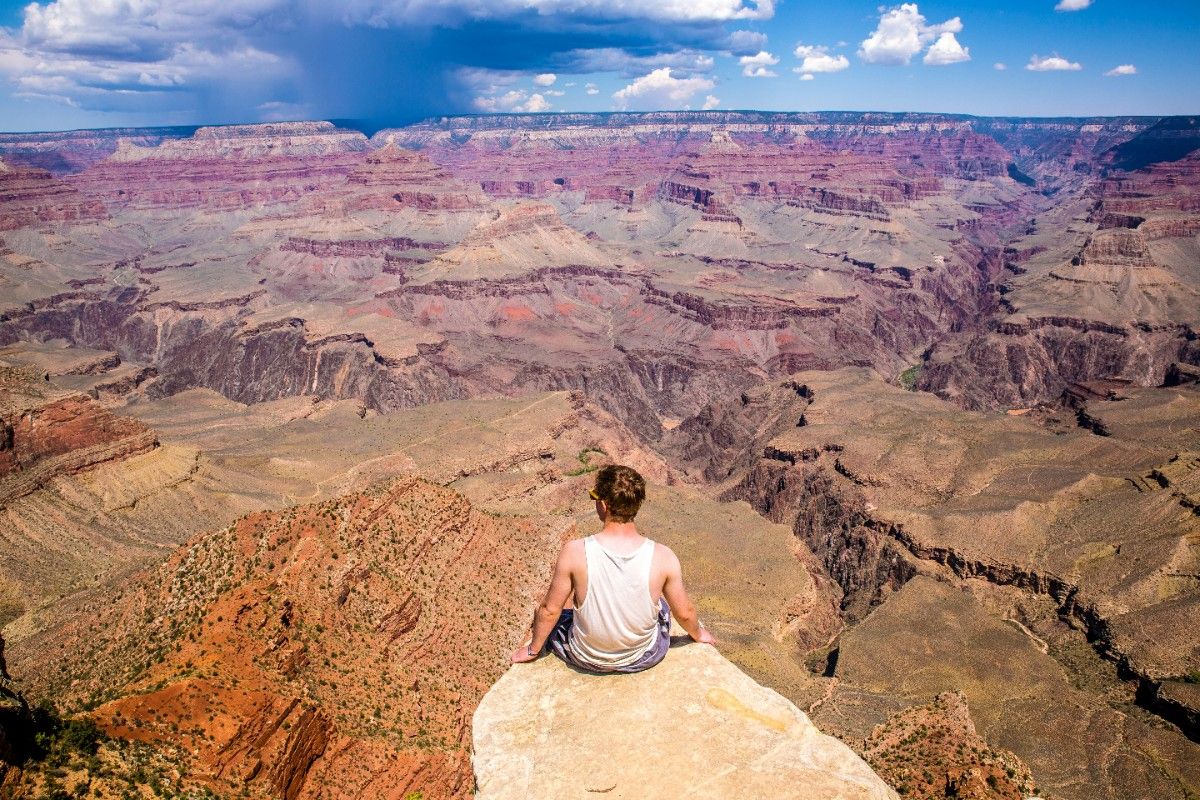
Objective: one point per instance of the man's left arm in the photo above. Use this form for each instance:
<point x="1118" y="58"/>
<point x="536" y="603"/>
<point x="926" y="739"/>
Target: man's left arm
<point x="550" y="609"/>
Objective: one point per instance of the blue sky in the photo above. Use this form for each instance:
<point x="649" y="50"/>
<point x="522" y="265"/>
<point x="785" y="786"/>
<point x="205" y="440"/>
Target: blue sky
<point x="93" y="63"/>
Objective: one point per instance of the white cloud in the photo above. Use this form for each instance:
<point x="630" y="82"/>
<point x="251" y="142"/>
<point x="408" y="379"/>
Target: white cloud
<point x="1052" y="64"/>
<point x="660" y="90"/>
<point x="1072" y="5"/>
<point x="816" y="58"/>
<point x="554" y="93"/>
<point x="168" y="52"/>
<point x="141" y="55"/>
<point x="902" y="32"/>
<point x="711" y="102"/>
<point x="95" y="82"/>
<point x="536" y="103"/>
<point x="746" y="43"/>
<point x="488" y="81"/>
<point x="1000" y="66"/>
<point x="592" y="88"/>
<point x="946" y="50"/>
<point x="1121" y="69"/>
<point x="486" y="104"/>
<point x="138" y="30"/>
<point x="759" y="65"/>
<point x="514" y="100"/>
<point x="628" y="65"/>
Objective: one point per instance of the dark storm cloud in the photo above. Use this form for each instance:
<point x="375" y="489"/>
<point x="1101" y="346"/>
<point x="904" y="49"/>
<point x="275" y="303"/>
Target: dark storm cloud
<point x="385" y="62"/>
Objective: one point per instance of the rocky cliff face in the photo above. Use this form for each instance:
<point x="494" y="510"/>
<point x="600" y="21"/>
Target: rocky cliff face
<point x="392" y="178"/>
<point x="66" y="152"/>
<point x="31" y="197"/>
<point x="228" y="168"/>
<point x="45" y="433"/>
<point x="693" y="726"/>
<point x="1116" y="299"/>
<point x="932" y="751"/>
<point x="889" y="490"/>
<point x="759" y="244"/>
<point x="343" y="643"/>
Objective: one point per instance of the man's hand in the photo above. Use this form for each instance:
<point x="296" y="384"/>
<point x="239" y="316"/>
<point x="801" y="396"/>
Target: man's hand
<point x="705" y="637"/>
<point x="521" y="655"/>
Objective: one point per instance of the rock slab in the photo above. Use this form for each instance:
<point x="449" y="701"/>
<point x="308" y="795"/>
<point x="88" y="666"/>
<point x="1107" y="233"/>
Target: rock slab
<point x="695" y="726"/>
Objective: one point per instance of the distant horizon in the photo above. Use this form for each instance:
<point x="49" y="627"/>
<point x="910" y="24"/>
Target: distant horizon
<point x="368" y="130"/>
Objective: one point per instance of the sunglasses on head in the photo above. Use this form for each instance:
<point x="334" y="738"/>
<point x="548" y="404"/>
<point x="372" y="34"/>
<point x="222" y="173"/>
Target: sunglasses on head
<point x="592" y="494"/>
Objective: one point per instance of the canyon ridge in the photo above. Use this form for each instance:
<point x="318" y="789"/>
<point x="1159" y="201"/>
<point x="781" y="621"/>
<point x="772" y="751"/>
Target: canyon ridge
<point x="293" y="421"/>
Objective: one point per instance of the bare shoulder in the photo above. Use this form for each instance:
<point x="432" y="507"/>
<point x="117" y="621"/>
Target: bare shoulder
<point x="572" y="552"/>
<point x="665" y="557"/>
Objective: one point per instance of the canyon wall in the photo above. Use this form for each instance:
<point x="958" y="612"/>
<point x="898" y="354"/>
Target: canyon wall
<point x="259" y="342"/>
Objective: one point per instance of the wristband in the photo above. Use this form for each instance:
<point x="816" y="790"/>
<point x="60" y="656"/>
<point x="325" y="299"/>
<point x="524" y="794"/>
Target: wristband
<point x="529" y="652"/>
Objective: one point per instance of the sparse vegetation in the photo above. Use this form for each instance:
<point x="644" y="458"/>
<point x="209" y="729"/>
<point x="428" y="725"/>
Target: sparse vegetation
<point x="586" y="461"/>
<point x="69" y="757"/>
<point x="908" y="379"/>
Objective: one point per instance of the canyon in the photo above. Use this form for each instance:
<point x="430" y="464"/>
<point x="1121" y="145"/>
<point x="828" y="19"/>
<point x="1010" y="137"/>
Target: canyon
<point x="293" y="420"/>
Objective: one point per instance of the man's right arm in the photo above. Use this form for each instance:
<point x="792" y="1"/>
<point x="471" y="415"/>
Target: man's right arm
<point x="682" y="607"/>
<point x="561" y="588"/>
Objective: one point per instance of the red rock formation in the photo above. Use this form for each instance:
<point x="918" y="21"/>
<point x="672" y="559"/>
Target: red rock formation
<point x="226" y="168"/>
<point x="31" y="197"/>
<point x="340" y="644"/>
<point x="355" y="248"/>
<point x="391" y="178"/>
<point x="932" y="752"/>
<point x="46" y="432"/>
<point x="66" y="152"/>
<point x="1123" y="305"/>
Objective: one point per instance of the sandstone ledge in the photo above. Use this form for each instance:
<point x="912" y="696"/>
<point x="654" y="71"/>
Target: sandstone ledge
<point x="695" y="726"/>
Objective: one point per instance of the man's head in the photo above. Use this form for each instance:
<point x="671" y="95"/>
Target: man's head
<point x="622" y="491"/>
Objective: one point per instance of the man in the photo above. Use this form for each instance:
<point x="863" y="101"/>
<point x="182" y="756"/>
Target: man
<point x="623" y="588"/>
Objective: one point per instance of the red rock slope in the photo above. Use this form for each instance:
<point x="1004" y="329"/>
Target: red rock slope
<point x="46" y="432"/>
<point x="331" y="649"/>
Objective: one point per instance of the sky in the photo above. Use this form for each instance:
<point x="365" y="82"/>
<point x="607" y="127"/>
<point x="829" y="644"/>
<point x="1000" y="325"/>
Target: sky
<point x="105" y="63"/>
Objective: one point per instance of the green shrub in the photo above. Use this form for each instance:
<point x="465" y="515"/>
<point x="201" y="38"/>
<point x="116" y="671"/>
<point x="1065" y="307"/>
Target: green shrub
<point x="584" y="458"/>
<point x="908" y="379"/>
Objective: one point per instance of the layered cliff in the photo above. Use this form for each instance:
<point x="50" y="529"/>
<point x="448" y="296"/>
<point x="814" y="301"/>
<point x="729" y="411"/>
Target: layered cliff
<point x="724" y="248"/>
<point x="30" y="196"/>
<point x="1115" y="297"/>
<point x="1022" y="521"/>
<point x="231" y="167"/>
<point x="66" y="152"/>
<point x="46" y="432"/>
<point x="300" y="313"/>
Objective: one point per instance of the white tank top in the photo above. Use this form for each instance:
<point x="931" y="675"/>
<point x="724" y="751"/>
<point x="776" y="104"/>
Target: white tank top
<point x="618" y="621"/>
